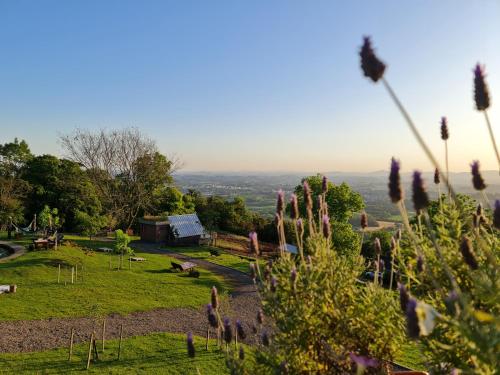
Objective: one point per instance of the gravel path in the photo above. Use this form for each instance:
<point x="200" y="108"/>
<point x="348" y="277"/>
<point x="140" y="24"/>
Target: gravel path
<point x="37" y="335"/>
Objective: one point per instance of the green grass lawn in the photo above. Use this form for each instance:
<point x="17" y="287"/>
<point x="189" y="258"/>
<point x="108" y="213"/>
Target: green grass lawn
<point x="240" y="263"/>
<point x="146" y="286"/>
<point x="151" y="354"/>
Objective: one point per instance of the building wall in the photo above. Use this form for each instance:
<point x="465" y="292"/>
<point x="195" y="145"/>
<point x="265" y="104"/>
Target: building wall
<point x="153" y="232"/>
<point x="186" y="241"/>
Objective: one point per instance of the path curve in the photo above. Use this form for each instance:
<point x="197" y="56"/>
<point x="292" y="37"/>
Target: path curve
<point x="38" y="335"/>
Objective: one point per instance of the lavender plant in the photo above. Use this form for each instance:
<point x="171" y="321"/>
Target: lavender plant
<point x="448" y="258"/>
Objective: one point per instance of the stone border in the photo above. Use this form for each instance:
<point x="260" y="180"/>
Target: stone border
<point x="17" y="251"/>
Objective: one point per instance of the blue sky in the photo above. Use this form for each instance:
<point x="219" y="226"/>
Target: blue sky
<point x="251" y="85"/>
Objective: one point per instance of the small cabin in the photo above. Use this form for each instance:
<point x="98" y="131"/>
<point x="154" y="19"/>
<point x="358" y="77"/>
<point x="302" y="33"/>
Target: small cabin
<point x="181" y="230"/>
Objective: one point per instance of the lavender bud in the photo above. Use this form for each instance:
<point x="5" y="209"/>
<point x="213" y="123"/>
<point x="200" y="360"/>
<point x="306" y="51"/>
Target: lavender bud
<point x="364" y="220"/>
<point x="496" y="215"/>
<point x="403" y="297"/>
<point x="437" y="180"/>
<point x="190" y="345"/>
<point x="240" y="330"/>
<point x="468" y="253"/>
<point x="372" y="67"/>
<point x="394" y="245"/>
<point x="395" y="191"/>
<point x="241" y="354"/>
<point x="381" y="265"/>
<point x="477" y="179"/>
<point x="326" y="226"/>
<point x="307" y="195"/>
<point x="280" y="203"/>
<point x="450" y="302"/>
<point x="412" y="319"/>
<point x="300" y="227"/>
<point x="324" y="185"/>
<point x="273" y="284"/>
<point x="215" y="298"/>
<point x="420" y="264"/>
<point x="377" y="246"/>
<point x="293" y="275"/>
<point x="254" y="243"/>
<point x="260" y="316"/>
<point x="294" y="207"/>
<point x="444" y="129"/>
<point x="420" y="198"/>
<point x="265" y="338"/>
<point x="479" y="210"/>
<point x="212" y="318"/>
<point x="481" y="95"/>
<point x="228" y="331"/>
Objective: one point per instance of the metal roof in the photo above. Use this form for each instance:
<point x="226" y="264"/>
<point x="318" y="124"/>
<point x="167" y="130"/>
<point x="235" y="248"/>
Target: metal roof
<point x="186" y="225"/>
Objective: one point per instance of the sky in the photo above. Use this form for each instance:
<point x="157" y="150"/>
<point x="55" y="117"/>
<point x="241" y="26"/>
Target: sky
<point x="259" y="85"/>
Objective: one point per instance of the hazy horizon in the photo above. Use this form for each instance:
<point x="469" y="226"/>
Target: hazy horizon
<point x="253" y="86"/>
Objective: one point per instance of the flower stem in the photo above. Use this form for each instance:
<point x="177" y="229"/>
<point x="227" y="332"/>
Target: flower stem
<point x="492" y="136"/>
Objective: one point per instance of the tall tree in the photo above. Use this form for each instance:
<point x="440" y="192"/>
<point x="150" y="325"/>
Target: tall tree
<point x="124" y="165"/>
<point x="13" y="156"/>
<point x="61" y="184"/>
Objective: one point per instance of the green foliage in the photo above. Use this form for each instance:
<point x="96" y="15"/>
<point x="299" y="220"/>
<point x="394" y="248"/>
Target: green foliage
<point x="89" y="225"/>
<point x="368" y="249"/>
<point x="171" y="201"/>
<point x="342" y="201"/>
<point x="61" y="184"/>
<point x="122" y="241"/>
<point x="324" y="313"/>
<point x="48" y="218"/>
<point x="466" y="335"/>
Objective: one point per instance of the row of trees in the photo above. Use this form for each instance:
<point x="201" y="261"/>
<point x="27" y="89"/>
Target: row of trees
<point x="108" y="179"/>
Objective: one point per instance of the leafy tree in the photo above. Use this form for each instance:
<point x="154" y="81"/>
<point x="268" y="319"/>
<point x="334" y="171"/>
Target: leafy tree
<point x="13" y="189"/>
<point x="170" y="200"/>
<point x="61" y="184"/>
<point x="122" y="241"/>
<point x="89" y="225"/>
<point x="368" y="249"/>
<point x="48" y="218"/>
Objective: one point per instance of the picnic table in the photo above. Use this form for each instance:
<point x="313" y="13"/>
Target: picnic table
<point x="41" y="243"/>
<point x="8" y="288"/>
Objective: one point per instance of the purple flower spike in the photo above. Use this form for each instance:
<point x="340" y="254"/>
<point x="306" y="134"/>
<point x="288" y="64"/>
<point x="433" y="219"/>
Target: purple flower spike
<point x="412" y="319"/>
<point x="468" y="253"/>
<point x="228" y="331"/>
<point x="212" y="318"/>
<point x="420" y="264"/>
<point x="293" y="275"/>
<point x="294" y="207"/>
<point x="395" y="191"/>
<point x="477" y="179"/>
<point x="280" y="202"/>
<point x="362" y="361"/>
<point x="364" y="220"/>
<point x="496" y="215"/>
<point x="420" y="198"/>
<point x="437" y="180"/>
<point x="326" y="226"/>
<point x="254" y="243"/>
<point x="307" y="195"/>
<point x="444" y="129"/>
<point x="324" y="184"/>
<point x="239" y="329"/>
<point x="370" y="64"/>
<point x="404" y="297"/>
<point x="274" y="283"/>
<point x="215" y="298"/>
<point x="300" y="227"/>
<point x="481" y="95"/>
<point x="190" y="345"/>
<point x="394" y="245"/>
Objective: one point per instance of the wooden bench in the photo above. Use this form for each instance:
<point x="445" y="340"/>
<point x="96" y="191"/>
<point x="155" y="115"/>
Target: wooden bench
<point x="8" y="288"/>
<point x="186" y="266"/>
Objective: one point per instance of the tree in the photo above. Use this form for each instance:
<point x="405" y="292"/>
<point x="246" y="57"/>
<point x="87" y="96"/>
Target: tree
<point x="62" y="184"/>
<point x="125" y="166"/>
<point x="48" y="218"/>
<point x="171" y="201"/>
<point x="13" y="189"/>
<point x="89" y="225"/>
<point x="122" y="241"/>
